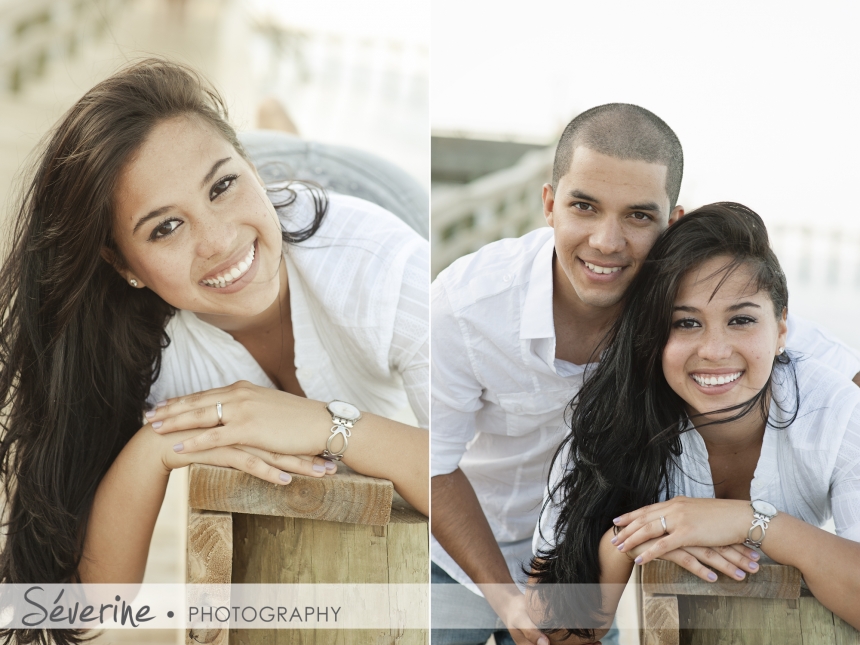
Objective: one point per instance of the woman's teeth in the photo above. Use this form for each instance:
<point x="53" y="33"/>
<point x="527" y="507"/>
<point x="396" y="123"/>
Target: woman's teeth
<point x="710" y="381"/>
<point x="597" y="269"/>
<point x="233" y="273"/>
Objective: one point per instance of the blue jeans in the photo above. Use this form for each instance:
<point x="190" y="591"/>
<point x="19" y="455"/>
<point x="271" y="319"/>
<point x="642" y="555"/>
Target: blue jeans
<point x="458" y="607"/>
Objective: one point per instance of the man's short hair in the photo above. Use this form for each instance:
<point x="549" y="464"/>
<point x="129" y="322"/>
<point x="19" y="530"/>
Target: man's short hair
<point x="623" y="131"/>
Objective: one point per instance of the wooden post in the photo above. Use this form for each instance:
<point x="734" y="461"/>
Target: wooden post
<point x="767" y="607"/>
<point x="343" y="528"/>
<point x="210" y="561"/>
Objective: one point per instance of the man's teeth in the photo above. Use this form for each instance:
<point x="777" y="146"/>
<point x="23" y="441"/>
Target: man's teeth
<point x="233" y="273"/>
<point x="710" y="381"/>
<point x="597" y="269"/>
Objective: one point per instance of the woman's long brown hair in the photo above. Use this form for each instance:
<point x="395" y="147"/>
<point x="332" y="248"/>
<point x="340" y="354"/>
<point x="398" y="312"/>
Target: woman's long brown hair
<point x="626" y="422"/>
<point x="79" y="347"/>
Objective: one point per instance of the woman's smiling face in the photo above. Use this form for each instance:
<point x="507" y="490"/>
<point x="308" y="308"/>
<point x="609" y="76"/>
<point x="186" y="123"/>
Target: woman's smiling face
<point x="193" y="222"/>
<point x="723" y="339"/>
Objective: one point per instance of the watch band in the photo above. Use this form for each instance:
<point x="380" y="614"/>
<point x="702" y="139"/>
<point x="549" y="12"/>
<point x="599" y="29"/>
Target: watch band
<point x="342" y="427"/>
<point x="760" y="521"/>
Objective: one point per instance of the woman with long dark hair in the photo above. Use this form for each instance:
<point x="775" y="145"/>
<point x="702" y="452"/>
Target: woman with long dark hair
<point x="698" y="437"/>
<point x="151" y="271"/>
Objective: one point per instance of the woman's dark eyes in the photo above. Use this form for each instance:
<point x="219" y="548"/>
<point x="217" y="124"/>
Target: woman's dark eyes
<point x="168" y="226"/>
<point x="692" y="323"/>
<point x="222" y="186"/>
<point x="165" y="228"/>
<point x="686" y="323"/>
<point x="742" y="320"/>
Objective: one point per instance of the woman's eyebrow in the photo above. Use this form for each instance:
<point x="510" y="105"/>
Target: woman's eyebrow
<point x="742" y="305"/>
<point x="214" y="169"/>
<point x="143" y="220"/>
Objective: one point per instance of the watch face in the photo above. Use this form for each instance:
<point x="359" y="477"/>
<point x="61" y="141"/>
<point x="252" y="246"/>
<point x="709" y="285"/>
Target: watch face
<point x="765" y="508"/>
<point x="344" y="410"/>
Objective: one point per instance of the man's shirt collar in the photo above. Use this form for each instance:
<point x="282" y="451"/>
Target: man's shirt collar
<point x="537" y="317"/>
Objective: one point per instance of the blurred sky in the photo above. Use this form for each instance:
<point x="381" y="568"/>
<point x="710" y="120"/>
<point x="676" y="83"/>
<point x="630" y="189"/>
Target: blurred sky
<point x="763" y="95"/>
<point x="391" y="19"/>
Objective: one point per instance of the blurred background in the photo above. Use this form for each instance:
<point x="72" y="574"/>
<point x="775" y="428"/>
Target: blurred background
<point x="762" y="95"/>
<point x="353" y="74"/>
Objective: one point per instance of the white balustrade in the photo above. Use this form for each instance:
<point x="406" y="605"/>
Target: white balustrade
<point x="502" y="204"/>
<point x="368" y="92"/>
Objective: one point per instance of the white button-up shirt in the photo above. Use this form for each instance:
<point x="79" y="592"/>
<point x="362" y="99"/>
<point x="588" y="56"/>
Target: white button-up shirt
<point x="359" y="308"/>
<point x="498" y="393"/>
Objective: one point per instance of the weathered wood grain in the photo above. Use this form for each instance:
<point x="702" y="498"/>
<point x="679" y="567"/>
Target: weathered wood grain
<point x="343" y="497"/>
<point x="844" y="633"/>
<point x="209" y="561"/>
<point x="712" y="620"/>
<point x="659" y="620"/>
<point x="816" y="622"/>
<point x="288" y="550"/>
<point x="771" y="581"/>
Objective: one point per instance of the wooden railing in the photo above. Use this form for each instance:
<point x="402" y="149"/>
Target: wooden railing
<point x="503" y="204"/>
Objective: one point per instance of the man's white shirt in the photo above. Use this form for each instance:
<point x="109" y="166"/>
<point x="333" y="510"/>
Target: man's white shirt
<point x="498" y="394"/>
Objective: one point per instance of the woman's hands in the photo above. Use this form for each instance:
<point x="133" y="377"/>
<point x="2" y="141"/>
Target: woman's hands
<point x="251" y="416"/>
<point x="698" y="532"/>
<point x="255" y="412"/>
<point x="276" y="427"/>
<point x="268" y="466"/>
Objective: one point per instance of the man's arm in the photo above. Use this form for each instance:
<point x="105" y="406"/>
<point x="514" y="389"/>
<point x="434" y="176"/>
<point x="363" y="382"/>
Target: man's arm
<point x="457" y="519"/>
<point x="458" y="522"/>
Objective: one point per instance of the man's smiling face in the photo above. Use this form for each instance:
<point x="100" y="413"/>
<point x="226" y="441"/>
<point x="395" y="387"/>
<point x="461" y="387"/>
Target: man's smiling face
<point x="606" y="213"/>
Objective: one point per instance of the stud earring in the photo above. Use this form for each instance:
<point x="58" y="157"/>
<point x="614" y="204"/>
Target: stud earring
<point x="133" y="283"/>
<point x="780" y="350"/>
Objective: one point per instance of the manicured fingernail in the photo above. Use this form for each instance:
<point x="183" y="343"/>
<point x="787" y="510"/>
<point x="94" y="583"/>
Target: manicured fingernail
<point x="319" y="468"/>
<point x="157" y="424"/>
<point x="150" y="414"/>
<point x="753" y="565"/>
<point x="638" y="559"/>
<point x="161" y="404"/>
<point x="621" y="546"/>
<point x="615" y="521"/>
<point x="177" y="447"/>
<point x="285" y="477"/>
<point x="754" y="555"/>
<point x="613" y="540"/>
<point x="329" y="465"/>
<point x="712" y="576"/>
<point x="740" y="574"/>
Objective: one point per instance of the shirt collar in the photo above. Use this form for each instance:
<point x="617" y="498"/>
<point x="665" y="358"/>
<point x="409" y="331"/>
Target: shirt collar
<point x="537" y="320"/>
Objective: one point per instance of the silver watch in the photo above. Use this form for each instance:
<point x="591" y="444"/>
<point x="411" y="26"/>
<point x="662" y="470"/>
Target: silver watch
<point x="343" y="416"/>
<point x="763" y="513"/>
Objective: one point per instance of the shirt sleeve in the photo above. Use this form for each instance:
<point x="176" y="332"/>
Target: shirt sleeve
<point x="809" y="338"/>
<point x="455" y="393"/>
<point x="410" y="344"/>
<point x="845" y="486"/>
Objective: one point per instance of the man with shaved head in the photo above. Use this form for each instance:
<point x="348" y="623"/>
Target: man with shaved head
<point x="513" y="327"/>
